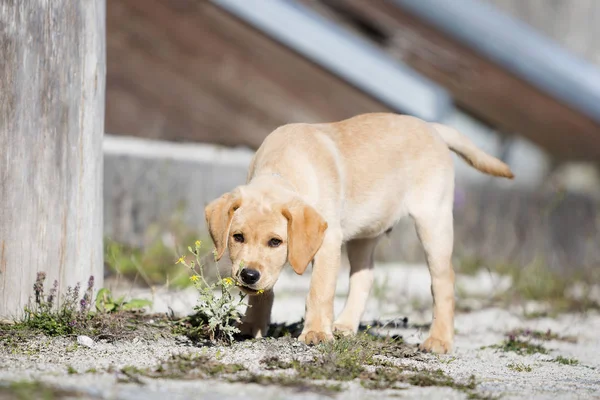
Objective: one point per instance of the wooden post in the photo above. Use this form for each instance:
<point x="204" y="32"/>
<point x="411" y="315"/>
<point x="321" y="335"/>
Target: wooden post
<point x="52" y="83"/>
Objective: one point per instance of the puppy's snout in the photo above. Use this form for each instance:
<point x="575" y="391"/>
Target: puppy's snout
<point x="250" y="276"/>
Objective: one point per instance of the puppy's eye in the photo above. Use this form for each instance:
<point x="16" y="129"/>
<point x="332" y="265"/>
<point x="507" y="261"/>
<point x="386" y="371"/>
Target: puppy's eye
<point x="238" y="237"/>
<point x="274" y="242"/>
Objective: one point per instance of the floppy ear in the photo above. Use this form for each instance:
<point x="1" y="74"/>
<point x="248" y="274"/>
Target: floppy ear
<point x="219" y="214"/>
<point x="306" y="230"/>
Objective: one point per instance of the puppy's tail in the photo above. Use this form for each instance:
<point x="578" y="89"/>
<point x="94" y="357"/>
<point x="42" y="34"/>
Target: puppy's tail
<point x="467" y="150"/>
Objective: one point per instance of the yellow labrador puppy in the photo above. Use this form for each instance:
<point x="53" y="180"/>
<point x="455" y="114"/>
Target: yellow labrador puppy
<point x="313" y="187"/>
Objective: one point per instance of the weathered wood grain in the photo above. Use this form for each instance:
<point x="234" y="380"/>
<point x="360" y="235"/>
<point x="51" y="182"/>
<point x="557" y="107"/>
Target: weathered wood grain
<point x="52" y="82"/>
<point x="187" y="70"/>
<point x="478" y="85"/>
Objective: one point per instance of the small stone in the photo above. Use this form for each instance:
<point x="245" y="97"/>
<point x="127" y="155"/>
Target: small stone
<point x="85" y="341"/>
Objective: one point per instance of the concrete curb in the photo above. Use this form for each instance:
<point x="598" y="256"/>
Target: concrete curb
<point x="149" y="181"/>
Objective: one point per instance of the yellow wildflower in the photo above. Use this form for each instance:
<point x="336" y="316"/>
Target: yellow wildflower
<point x="198" y="243"/>
<point x="228" y="281"/>
<point x="194" y="278"/>
<point x="181" y="260"/>
<point x="260" y="291"/>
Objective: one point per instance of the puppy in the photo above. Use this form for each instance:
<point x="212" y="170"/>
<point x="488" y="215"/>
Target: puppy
<point x="313" y="187"/>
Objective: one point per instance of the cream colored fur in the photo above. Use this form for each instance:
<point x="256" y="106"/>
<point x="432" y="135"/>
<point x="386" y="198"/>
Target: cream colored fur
<point x="317" y="186"/>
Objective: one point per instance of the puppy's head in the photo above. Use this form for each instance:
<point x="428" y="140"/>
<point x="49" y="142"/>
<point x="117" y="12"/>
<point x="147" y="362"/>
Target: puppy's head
<point x="262" y="235"/>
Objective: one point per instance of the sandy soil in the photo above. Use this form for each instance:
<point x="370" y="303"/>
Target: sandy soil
<point x="405" y="294"/>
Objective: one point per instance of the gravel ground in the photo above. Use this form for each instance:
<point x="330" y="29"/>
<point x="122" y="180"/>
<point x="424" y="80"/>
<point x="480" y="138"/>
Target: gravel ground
<point x="405" y="294"/>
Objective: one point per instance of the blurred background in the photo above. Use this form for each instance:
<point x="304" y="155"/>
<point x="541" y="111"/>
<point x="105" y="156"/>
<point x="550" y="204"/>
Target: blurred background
<point x="194" y="86"/>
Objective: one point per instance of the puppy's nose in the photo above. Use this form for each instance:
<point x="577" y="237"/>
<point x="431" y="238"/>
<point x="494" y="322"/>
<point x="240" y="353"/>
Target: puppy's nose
<point x="249" y="276"/>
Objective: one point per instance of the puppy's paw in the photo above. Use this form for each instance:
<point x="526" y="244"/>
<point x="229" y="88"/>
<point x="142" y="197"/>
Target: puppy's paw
<point x="433" y="345"/>
<point x="315" y="337"/>
<point x="343" y="329"/>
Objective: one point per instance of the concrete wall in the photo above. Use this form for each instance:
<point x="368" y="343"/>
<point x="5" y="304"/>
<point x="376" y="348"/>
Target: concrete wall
<point x="147" y="181"/>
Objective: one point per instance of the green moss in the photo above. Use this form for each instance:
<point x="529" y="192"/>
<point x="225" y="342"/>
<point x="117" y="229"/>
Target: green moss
<point x="439" y="378"/>
<point x="374" y="362"/>
<point x="187" y="366"/>
<point x="73" y="313"/>
<point x="341" y="360"/>
<point x="519" y="346"/>
<point x="26" y="390"/>
<point x="289" y="381"/>
<point x="359" y="358"/>
<point x="24" y="339"/>
<point x="399" y="378"/>
<point x="346" y="357"/>
<point x="566" y="361"/>
<point x="193" y="327"/>
<point x="519" y="367"/>
<point x="541" y="335"/>
<point x="526" y="341"/>
<point x="275" y="363"/>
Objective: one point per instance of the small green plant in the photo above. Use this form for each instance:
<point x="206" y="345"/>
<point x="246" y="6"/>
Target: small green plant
<point x="542" y="335"/>
<point x="337" y="362"/>
<point x="218" y="314"/>
<point x="515" y="344"/>
<point x="71" y="314"/>
<point x="359" y="358"/>
<point x="444" y="359"/>
<point x="56" y="318"/>
<point x="372" y="361"/>
<point x="25" y="390"/>
<point x="348" y="357"/>
<point x="186" y="366"/>
<point x="72" y="347"/>
<point x="153" y="263"/>
<point x="106" y="303"/>
<point x="519" y="367"/>
<point x="291" y="381"/>
<point x="274" y="362"/>
<point x="566" y="361"/>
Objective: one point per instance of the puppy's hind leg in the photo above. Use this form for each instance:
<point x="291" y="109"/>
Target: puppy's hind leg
<point x="360" y="254"/>
<point x="435" y="231"/>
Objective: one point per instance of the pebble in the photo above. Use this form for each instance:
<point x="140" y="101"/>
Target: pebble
<point x="85" y="341"/>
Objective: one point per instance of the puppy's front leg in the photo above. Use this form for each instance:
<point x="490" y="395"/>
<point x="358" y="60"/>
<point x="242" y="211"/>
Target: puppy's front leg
<point x="258" y="315"/>
<point x="319" y="302"/>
